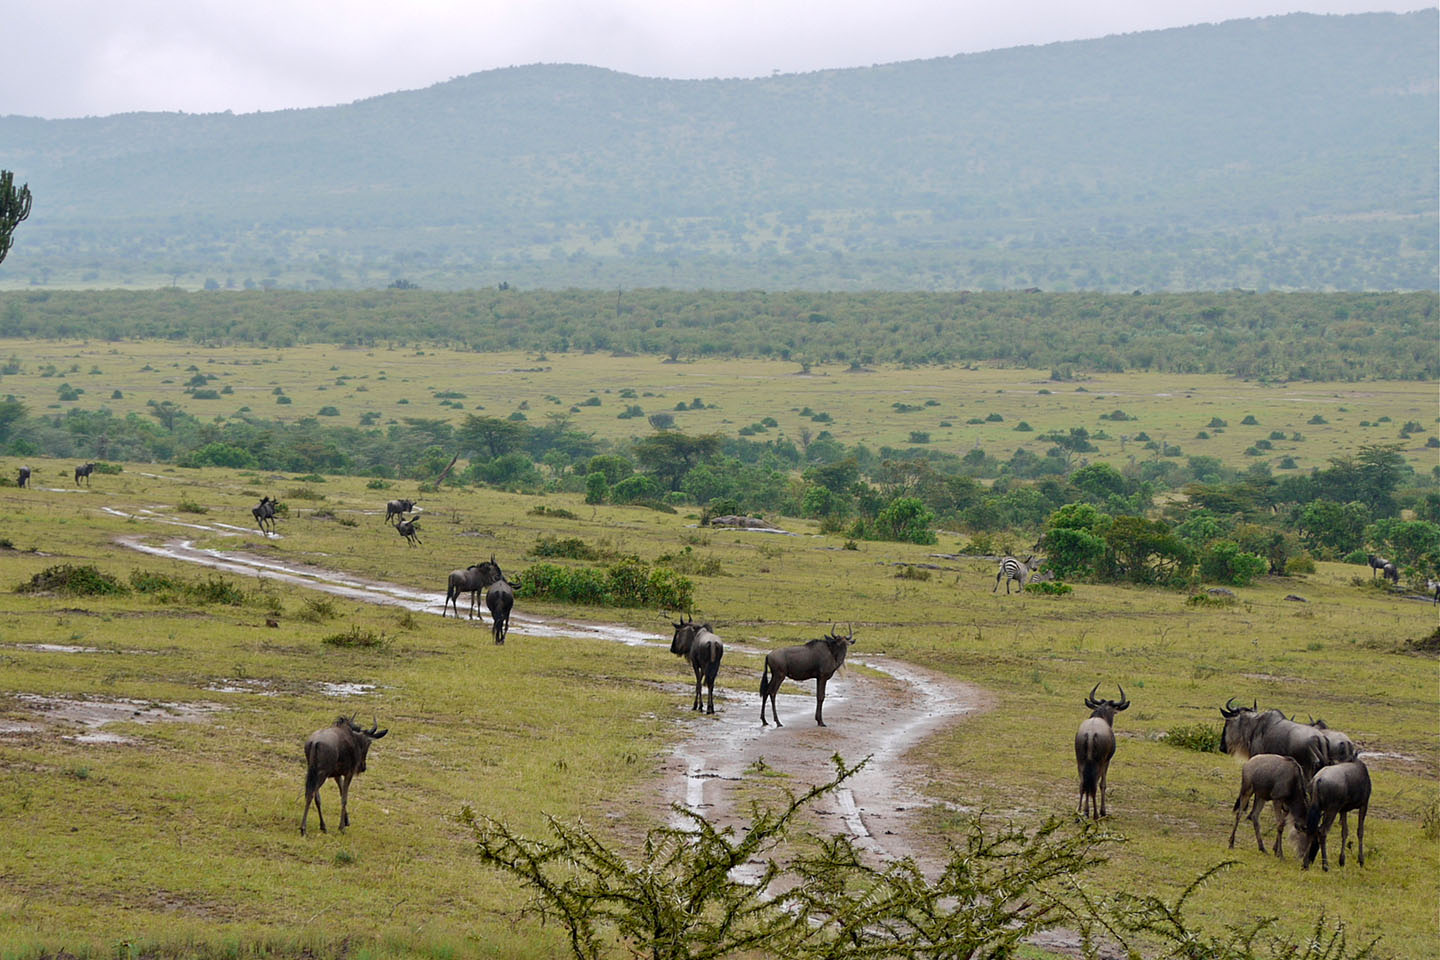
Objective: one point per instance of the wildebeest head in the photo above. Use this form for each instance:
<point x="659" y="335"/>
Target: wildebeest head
<point x="838" y="644"/>
<point x="685" y="631"/>
<point x="490" y="572"/>
<point x="363" y="737"/>
<point x="1240" y="722"/>
<point x="1106" y="709"/>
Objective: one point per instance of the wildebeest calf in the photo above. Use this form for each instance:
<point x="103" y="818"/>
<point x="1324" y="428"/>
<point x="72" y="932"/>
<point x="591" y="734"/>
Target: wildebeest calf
<point x="699" y="645"/>
<point x="1094" y="749"/>
<point x="407" y="529"/>
<point x="1335" y="791"/>
<point x="1269" y="777"/>
<point x="335" y="752"/>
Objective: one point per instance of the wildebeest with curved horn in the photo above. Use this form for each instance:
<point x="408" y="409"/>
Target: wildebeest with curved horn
<point x="23" y="480"/>
<point x="265" y="513"/>
<point x="408" y="529"/>
<point x="1269" y="777"/>
<point x="699" y="645"/>
<point x="462" y="581"/>
<point x="499" y="598"/>
<point x="815" y="660"/>
<point x="398" y="508"/>
<point x="336" y="752"/>
<point x="1094" y="749"/>
<point x="1249" y="732"/>
<point x="1335" y="791"/>
<point x="85" y="472"/>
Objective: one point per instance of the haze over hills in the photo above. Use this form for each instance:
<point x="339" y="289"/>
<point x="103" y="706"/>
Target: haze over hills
<point x="1295" y="152"/>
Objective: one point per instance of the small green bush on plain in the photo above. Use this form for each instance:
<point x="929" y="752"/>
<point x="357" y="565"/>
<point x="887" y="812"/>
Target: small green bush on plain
<point x="1049" y="588"/>
<point x="82" y="580"/>
<point x="357" y="638"/>
<point x="1202" y="737"/>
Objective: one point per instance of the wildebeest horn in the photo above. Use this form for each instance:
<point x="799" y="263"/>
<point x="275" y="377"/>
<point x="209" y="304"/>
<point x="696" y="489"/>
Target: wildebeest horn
<point x="374" y="725"/>
<point x="1090" y="700"/>
<point x="1124" y="700"/>
<point x="1228" y="711"/>
<point x="851" y="635"/>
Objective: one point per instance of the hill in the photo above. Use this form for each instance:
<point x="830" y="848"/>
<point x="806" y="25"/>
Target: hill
<point x="1294" y="152"/>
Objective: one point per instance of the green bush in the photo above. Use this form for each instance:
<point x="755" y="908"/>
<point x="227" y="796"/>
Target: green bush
<point x="1049" y="588"/>
<point x="629" y="582"/>
<point x="1224" y="562"/>
<point x="71" y="580"/>
<point x="1202" y="737"/>
<point x="356" y="638"/>
<point x="569" y="548"/>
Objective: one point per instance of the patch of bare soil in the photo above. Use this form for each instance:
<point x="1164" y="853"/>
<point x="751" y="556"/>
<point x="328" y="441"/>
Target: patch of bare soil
<point x="84" y="719"/>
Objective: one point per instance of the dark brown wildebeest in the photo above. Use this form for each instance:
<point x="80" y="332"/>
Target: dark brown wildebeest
<point x="1377" y="564"/>
<point x="336" y="752"/>
<point x="1337" y="790"/>
<point x="1012" y="569"/>
<point x="816" y="660"/>
<point x="1338" y="747"/>
<point x="462" y="581"/>
<point x="499" y="598"/>
<point x="85" y="472"/>
<point x="23" y="480"/>
<point x="265" y="514"/>
<point x="699" y="645"/>
<point x="1094" y="749"/>
<point x="407" y="529"/>
<point x="398" y="508"/>
<point x="1249" y="732"/>
<point x="1269" y="777"/>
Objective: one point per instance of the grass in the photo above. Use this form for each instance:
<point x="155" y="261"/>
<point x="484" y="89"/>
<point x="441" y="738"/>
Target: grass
<point x="189" y="841"/>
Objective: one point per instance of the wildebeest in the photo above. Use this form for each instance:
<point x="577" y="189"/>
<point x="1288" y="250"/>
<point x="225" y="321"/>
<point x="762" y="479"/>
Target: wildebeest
<point x="398" y="508"/>
<point x="1248" y="732"/>
<point x="1012" y="569"/>
<point x="462" y="581"/>
<point x="265" y="514"/>
<point x="1391" y="573"/>
<point x="699" y="645"/>
<point x="1338" y="747"/>
<point x="1271" y="778"/>
<point x="23" y="480"/>
<point x="1094" y="748"/>
<point x="1337" y="790"/>
<point x="1432" y="587"/>
<point x="499" y="598"/>
<point x="335" y="752"/>
<point x="1377" y="564"/>
<point x="815" y="660"/>
<point x="407" y="529"/>
<point x="85" y="472"/>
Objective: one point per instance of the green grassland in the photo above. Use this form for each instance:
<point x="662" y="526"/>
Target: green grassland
<point x="186" y="837"/>
<point x="881" y="406"/>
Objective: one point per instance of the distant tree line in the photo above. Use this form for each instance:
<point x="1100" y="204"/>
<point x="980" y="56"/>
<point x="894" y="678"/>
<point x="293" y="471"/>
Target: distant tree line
<point x="1281" y="336"/>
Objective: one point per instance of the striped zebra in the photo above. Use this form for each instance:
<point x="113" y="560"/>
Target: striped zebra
<point x="1012" y="569"/>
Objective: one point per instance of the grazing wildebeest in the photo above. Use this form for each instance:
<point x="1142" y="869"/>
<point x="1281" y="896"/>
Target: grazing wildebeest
<point x="499" y="598"/>
<point x="335" y="752"/>
<point x="815" y="660"/>
<point x="1094" y="748"/>
<point x="23" y="480"/>
<point x="407" y="528"/>
<point x="1012" y="569"/>
<point x="1271" y="778"/>
<point x="1338" y="747"/>
<point x="699" y="645"/>
<point x="1377" y="564"/>
<point x="1249" y="732"/>
<point x="1336" y="791"/>
<point x="265" y="514"/>
<point x="1391" y="573"/>
<point x="85" y="472"/>
<point x="462" y="581"/>
<point x="398" y="508"/>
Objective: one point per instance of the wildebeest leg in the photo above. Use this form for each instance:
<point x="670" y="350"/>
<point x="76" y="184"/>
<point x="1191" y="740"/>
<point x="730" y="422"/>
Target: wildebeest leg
<point x="819" y="699"/>
<point x="344" y="783"/>
<point x="1255" y="811"/>
<point x="699" y="702"/>
<point x="1360" y="833"/>
<point x="1325" y="825"/>
<point x="1280" y="813"/>
<point x="1344" y="834"/>
<point x="315" y="796"/>
<point x="1239" y="812"/>
<point x="1104" y="771"/>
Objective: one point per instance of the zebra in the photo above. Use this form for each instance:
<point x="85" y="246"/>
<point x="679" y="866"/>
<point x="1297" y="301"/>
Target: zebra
<point x="1012" y="569"/>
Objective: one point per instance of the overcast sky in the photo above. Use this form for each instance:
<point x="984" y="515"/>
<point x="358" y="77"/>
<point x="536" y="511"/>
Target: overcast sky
<point x="70" y="58"/>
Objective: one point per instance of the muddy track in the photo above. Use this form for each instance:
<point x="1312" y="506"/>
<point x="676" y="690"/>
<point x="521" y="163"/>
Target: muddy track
<point x="881" y="712"/>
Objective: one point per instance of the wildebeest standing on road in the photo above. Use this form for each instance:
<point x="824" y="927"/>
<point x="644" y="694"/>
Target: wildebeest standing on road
<point x="1094" y="749"/>
<point x="816" y="660"/>
<point x="336" y="752"/>
<point x="702" y="649"/>
<point x="499" y="598"/>
<point x="1249" y="732"/>
<point x="462" y="581"/>
<point x="1335" y="791"/>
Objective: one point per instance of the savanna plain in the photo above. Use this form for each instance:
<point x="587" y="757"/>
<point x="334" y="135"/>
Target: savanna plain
<point x="151" y="765"/>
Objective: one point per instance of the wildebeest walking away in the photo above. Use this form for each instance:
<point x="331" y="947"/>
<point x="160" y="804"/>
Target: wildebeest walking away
<point x="1094" y="749"/>
<point x="499" y="598"/>
<point x="336" y="752"/>
<point x="816" y="660"/>
<point x="398" y="508"/>
<point x="23" y="480"/>
<point x="1269" y="777"/>
<point x="1012" y="569"/>
<point x="1248" y="732"/>
<point x="699" y="645"/>
<point x="407" y="529"/>
<point x="1335" y="791"/>
<point x="462" y="581"/>
<point x="85" y="472"/>
<point x="265" y="514"/>
<point x="1338" y="747"/>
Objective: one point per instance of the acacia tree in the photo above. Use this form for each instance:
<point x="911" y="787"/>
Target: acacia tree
<point x="14" y="207"/>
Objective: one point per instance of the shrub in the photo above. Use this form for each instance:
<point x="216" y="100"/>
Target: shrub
<point x="1304" y="563"/>
<point x="1216" y="422"/>
<point x="1023" y="427"/>
<point x="912" y="573"/>
<point x="689" y="562"/>
<point x="1050" y="588"/>
<point x="317" y="609"/>
<point x="544" y="511"/>
<point x="186" y="505"/>
<point x="327" y="412"/>
<point x="634" y="488"/>
<point x="283" y="400"/>
<point x="569" y="548"/>
<point x="377" y="485"/>
<point x="629" y="582"/>
<point x="597" y="490"/>
<point x="994" y="418"/>
<point x="357" y="638"/>
<point x="1317" y="420"/>
<point x="1249" y="421"/>
<point x="80" y="581"/>
<point x="304" y="493"/>
<point x="919" y="436"/>
<point x="1201" y="737"/>
<point x="1224" y="562"/>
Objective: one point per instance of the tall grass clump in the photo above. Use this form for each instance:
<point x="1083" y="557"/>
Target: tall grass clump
<point x="167" y="589"/>
<point x="1201" y="737"/>
<point x="357" y="638"/>
<point x="629" y="582"/>
<point x="84" y="580"/>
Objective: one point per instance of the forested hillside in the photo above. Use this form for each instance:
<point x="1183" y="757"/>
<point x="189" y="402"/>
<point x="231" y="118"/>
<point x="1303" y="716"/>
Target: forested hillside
<point x="1295" y="152"/>
<point x="1280" y="336"/>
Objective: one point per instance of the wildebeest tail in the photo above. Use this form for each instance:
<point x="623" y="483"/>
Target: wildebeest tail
<point x="764" y="682"/>
<point x="712" y="667"/>
<point x="313" y="777"/>
<point x="1089" y="776"/>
